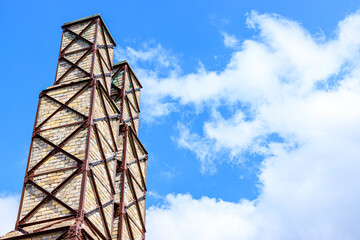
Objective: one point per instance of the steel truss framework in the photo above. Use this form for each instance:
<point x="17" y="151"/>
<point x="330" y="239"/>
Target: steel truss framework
<point x="86" y="172"/>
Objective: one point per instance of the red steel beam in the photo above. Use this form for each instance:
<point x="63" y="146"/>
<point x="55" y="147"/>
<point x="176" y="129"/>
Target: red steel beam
<point x="75" y="64"/>
<point x="135" y="199"/>
<point x="133" y="91"/>
<point x="80" y="34"/>
<point x="106" y="46"/>
<point x="108" y="120"/>
<point x="129" y="110"/>
<point x="102" y="214"/>
<point x="46" y="199"/>
<point x="104" y="160"/>
<point x="102" y="70"/>
<point x="35" y="234"/>
<point x="124" y="128"/>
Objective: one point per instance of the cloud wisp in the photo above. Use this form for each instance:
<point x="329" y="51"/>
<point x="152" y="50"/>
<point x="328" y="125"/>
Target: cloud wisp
<point x="230" y="41"/>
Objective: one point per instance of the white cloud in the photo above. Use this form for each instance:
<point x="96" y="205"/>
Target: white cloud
<point x="155" y="62"/>
<point x="281" y="77"/>
<point x="201" y="147"/>
<point x="158" y="57"/>
<point x="9" y="205"/>
<point x="305" y="90"/>
<point x="186" y="218"/>
<point x="230" y="41"/>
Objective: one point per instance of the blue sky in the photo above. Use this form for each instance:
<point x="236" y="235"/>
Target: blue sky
<point x="249" y="110"/>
